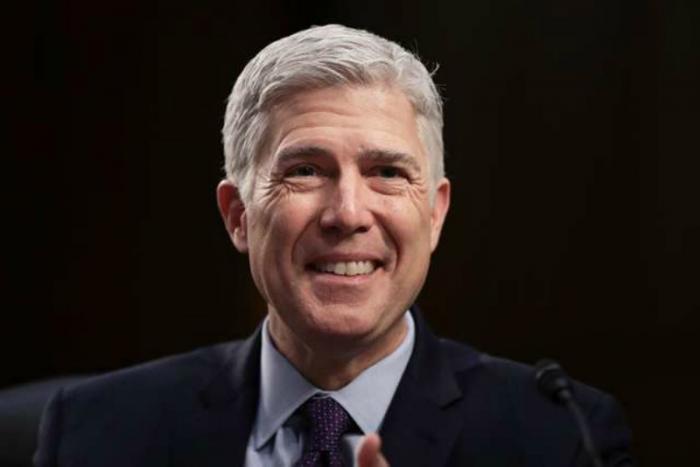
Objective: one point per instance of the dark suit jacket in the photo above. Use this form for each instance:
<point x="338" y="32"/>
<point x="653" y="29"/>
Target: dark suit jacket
<point x="454" y="406"/>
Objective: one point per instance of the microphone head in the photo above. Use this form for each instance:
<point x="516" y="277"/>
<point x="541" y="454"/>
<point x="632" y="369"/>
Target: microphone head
<point x="552" y="381"/>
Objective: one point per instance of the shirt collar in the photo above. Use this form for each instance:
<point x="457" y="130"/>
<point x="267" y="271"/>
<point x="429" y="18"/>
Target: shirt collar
<point x="283" y="389"/>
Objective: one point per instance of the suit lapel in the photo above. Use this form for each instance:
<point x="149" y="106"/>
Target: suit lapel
<point x="217" y="433"/>
<point x="426" y="413"/>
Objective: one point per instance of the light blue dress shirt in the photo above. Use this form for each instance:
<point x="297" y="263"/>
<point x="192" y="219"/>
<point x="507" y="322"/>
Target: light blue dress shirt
<point x="277" y="438"/>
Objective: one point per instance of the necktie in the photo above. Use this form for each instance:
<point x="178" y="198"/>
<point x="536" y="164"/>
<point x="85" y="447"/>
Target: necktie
<point x="328" y="422"/>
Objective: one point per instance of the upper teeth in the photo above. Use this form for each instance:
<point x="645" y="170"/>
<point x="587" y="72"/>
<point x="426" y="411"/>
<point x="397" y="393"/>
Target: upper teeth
<point x="350" y="268"/>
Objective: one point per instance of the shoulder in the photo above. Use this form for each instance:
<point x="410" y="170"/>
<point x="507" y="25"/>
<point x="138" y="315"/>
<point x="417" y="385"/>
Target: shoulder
<point x="153" y="381"/>
<point x="121" y="412"/>
<point x="513" y="379"/>
<point x="505" y="395"/>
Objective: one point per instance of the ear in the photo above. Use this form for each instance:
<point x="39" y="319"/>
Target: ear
<point x="441" y="204"/>
<point x="233" y="213"/>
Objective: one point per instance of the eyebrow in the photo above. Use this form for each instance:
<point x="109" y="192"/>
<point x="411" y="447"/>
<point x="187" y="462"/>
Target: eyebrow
<point x="374" y="155"/>
<point x="295" y="152"/>
<point x="390" y="157"/>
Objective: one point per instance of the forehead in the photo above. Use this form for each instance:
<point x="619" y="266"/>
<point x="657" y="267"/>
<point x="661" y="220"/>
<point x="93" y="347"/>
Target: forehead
<point x="346" y="118"/>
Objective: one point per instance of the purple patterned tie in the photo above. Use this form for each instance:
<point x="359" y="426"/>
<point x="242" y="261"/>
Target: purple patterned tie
<point x="328" y="422"/>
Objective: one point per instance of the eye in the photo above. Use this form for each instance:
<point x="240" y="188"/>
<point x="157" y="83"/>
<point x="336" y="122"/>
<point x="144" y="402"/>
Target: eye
<point x="389" y="171"/>
<point x="304" y="170"/>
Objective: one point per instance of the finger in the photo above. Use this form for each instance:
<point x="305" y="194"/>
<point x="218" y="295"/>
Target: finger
<point x="369" y="454"/>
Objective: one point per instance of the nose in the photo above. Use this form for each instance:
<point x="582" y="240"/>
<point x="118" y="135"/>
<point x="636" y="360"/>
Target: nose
<point x="346" y="209"/>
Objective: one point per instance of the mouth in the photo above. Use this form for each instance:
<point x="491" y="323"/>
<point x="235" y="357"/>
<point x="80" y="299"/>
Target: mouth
<point x="345" y="268"/>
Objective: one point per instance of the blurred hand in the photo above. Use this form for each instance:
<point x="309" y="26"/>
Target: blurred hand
<point x="369" y="453"/>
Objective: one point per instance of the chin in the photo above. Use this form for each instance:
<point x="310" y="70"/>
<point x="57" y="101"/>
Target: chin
<point x="348" y="322"/>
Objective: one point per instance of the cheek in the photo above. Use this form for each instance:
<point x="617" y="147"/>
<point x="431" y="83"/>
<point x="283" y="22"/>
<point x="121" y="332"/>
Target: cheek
<point x="278" y="226"/>
<point x="408" y="223"/>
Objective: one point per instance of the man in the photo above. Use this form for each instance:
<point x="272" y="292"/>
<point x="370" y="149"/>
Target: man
<point x="335" y="190"/>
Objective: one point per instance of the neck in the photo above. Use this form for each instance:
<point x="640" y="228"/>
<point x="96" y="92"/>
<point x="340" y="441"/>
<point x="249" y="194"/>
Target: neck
<point x="331" y="363"/>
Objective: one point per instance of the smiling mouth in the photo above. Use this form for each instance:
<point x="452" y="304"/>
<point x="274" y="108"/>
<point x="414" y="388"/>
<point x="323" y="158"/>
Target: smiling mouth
<point x="346" y="268"/>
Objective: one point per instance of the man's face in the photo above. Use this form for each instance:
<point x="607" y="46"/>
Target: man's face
<point x="339" y="227"/>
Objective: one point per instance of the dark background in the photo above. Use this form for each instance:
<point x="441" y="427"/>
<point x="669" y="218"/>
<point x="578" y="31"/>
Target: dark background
<point x="572" y="144"/>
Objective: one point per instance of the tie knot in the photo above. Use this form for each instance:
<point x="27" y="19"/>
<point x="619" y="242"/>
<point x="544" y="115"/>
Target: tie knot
<point x="328" y="422"/>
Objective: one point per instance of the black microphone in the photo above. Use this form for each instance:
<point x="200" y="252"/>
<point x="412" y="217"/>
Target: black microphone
<point x="555" y="384"/>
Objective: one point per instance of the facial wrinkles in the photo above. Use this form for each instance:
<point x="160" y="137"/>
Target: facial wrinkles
<point x="267" y="214"/>
<point x="274" y="193"/>
<point x="358" y="192"/>
<point x="273" y="189"/>
<point x="359" y="144"/>
<point x="426" y="181"/>
<point x="267" y="195"/>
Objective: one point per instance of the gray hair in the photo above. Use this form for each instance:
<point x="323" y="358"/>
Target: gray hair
<point x="320" y="57"/>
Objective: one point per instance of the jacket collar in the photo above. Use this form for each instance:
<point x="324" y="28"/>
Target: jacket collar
<point x="426" y="413"/>
<point x="217" y="433"/>
<point x="420" y="426"/>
